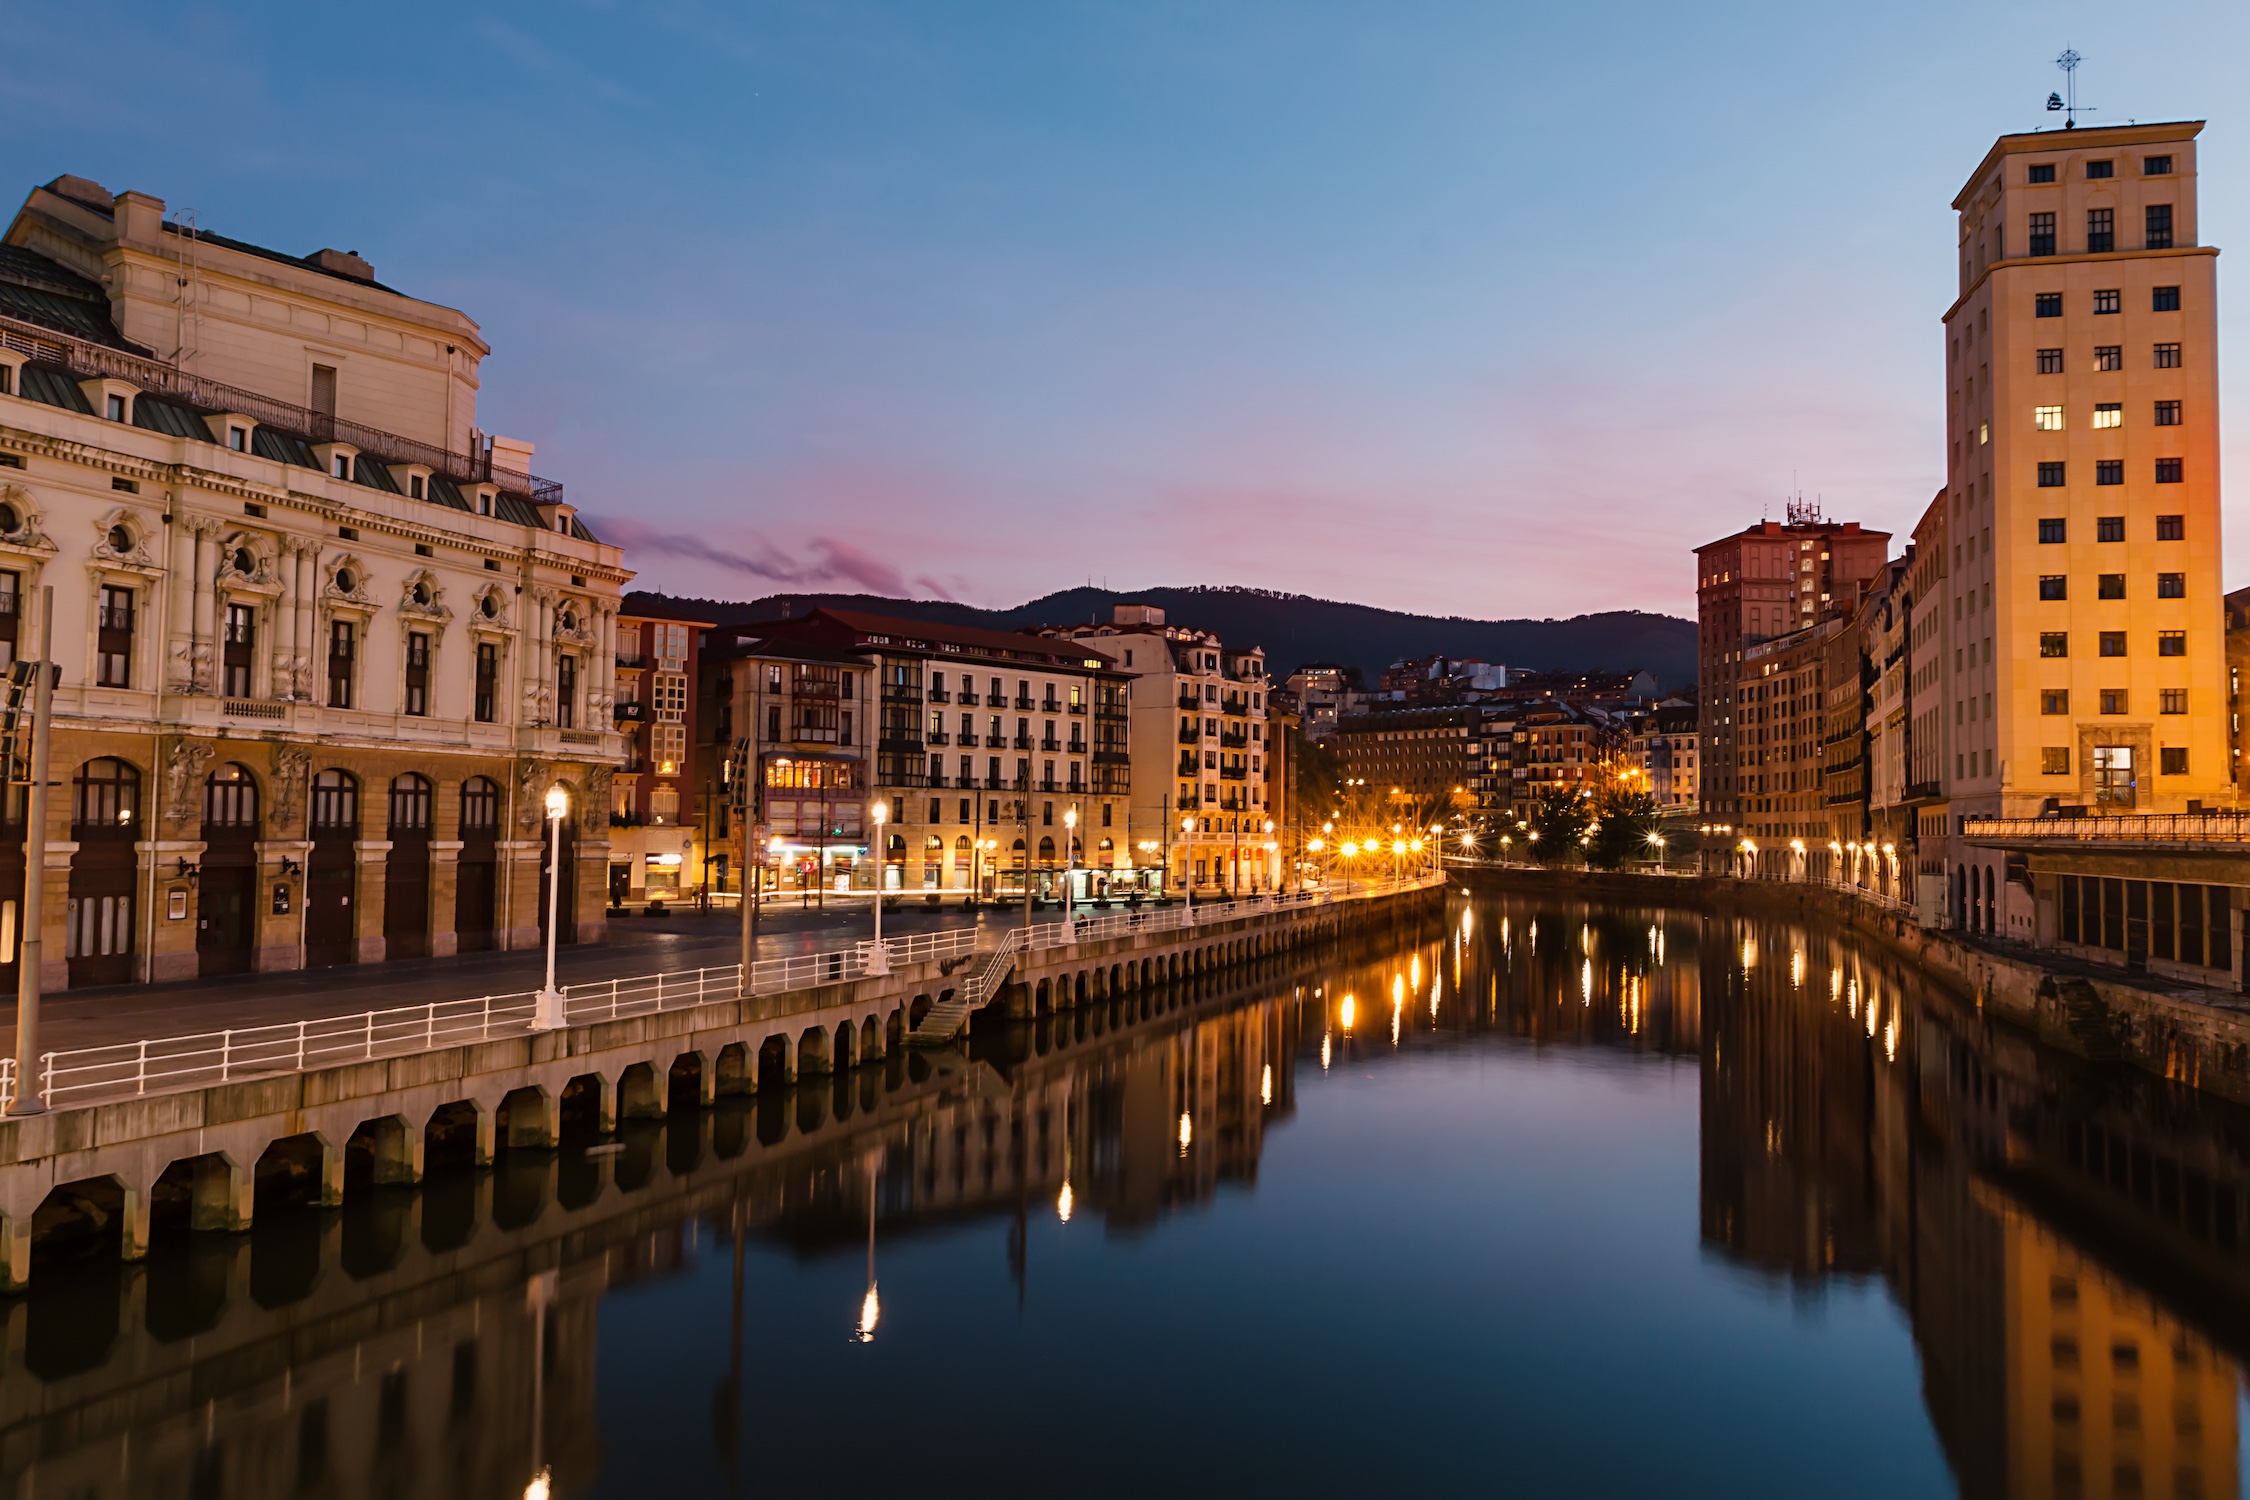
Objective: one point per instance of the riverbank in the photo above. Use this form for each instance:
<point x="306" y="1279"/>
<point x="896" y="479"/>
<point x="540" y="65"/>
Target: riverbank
<point x="2195" y="1035"/>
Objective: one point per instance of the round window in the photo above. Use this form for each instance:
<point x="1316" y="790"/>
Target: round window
<point x="490" y="606"/>
<point x="243" y="561"/>
<point x="421" y="593"/>
<point x="9" y="520"/>
<point x="120" y="540"/>
<point x="343" y="580"/>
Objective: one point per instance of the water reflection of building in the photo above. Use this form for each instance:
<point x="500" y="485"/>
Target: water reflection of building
<point x="2021" y="1205"/>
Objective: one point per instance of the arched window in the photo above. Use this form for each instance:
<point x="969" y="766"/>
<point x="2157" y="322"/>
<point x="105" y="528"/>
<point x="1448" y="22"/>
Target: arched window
<point x="108" y="797"/>
<point x="335" y="802"/>
<point x="1046" y="851"/>
<point x="230" y="800"/>
<point x="410" y="803"/>
<point x="480" y="805"/>
<point x="961" y="852"/>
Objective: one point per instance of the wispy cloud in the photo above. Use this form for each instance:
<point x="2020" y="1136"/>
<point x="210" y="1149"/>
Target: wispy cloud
<point x="826" y="559"/>
<point x="535" y="56"/>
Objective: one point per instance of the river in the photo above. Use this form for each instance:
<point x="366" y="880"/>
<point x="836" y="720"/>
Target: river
<point x="1544" y="1197"/>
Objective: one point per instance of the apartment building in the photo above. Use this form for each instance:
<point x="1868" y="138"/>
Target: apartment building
<point x="1664" y="748"/>
<point x="325" y="647"/>
<point x="1203" y="741"/>
<point x="2088" y="669"/>
<point x="994" y="759"/>
<point x="660" y="814"/>
<point x="1780" y="759"/>
<point x="1767" y="581"/>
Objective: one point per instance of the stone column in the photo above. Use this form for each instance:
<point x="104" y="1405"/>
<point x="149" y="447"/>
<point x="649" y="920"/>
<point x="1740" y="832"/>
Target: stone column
<point x="593" y="885"/>
<point x="179" y="630"/>
<point x="367" y="898"/>
<point x="207" y="612"/>
<point x="519" y="876"/>
<point x="224" y="1193"/>
<point x="172" y="951"/>
<point x="281" y="935"/>
<point x="279" y="625"/>
<point x="308" y="623"/>
<point x="445" y="888"/>
<point x="199" y="581"/>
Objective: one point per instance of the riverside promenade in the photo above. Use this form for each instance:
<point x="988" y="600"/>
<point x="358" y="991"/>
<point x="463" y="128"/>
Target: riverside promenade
<point x="201" y="1119"/>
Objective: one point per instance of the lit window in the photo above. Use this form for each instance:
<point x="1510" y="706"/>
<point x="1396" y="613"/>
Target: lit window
<point x="2054" y="760"/>
<point x="2047" y="418"/>
<point x="2109" y="414"/>
<point x="2054" y="643"/>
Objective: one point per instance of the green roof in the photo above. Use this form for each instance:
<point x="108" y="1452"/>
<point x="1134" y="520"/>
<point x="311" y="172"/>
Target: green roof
<point x="40" y="383"/>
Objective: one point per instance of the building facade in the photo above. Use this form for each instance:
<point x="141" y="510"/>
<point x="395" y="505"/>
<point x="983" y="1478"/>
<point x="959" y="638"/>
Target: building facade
<point x="1203" y="740"/>
<point x="1664" y="748"/>
<point x="324" y="647"/>
<point x="662" y="801"/>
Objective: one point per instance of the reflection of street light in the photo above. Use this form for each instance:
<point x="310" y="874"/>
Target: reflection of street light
<point x="1063" y="1204"/>
<point x="878" y="957"/>
<point x="870" y="1306"/>
<point x="547" y="1005"/>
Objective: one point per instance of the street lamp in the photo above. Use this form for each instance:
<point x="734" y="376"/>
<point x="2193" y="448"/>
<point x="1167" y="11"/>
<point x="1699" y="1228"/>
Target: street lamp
<point x="1656" y="840"/>
<point x="1070" y="863"/>
<point x="878" y="957"/>
<point x="1187" y="864"/>
<point x="547" y="1005"/>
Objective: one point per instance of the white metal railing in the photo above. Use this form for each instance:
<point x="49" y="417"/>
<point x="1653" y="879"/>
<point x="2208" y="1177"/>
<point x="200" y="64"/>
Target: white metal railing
<point x="2228" y="827"/>
<point x="124" y="1070"/>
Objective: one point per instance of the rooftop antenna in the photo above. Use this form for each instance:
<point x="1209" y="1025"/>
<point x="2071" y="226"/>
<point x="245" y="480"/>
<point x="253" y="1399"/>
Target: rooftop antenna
<point x="2069" y="105"/>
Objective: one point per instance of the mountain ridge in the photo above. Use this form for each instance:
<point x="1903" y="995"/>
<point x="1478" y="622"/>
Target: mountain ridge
<point x="1293" y="628"/>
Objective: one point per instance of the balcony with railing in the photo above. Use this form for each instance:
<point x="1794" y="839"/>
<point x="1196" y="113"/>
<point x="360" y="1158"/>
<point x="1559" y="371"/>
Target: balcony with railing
<point x="1078" y="707"/>
<point x="1189" y="700"/>
<point x="1234" y="739"/>
<point x="968" y="697"/>
<point x="968" y="739"/>
<point x="1051" y="745"/>
<point x="2206" y="831"/>
<point x="1023" y="701"/>
<point x="1022" y="742"/>
<point x="1190" y="735"/>
<point x="1187" y="766"/>
<point x="936" y="737"/>
<point x="1234" y="773"/>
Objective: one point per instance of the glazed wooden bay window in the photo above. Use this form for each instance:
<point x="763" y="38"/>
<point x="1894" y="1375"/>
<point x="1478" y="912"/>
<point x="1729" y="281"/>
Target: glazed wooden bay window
<point x="488" y="681"/>
<point x="241" y="641"/>
<point x="566" y="692"/>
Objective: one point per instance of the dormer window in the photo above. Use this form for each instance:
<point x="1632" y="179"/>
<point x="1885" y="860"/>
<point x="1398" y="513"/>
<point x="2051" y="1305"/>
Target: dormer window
<point x="117" y="412"/>
<point x="238" y="438"/>
<point x="340" y="465"/>
<point x="414" y="486"/>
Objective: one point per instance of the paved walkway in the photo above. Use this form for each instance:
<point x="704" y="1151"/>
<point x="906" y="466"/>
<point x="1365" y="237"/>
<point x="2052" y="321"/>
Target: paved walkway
<point x="637" y="945"/>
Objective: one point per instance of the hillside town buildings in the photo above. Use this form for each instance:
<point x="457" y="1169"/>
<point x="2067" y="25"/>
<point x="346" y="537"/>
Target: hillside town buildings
<point x="325" y="646"/>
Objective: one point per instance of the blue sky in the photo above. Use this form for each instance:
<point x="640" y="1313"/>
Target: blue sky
<point x="1485" y="309"/>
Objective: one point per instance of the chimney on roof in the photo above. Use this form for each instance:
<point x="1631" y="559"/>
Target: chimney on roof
<point x="140" y="219"/>
<point x="343" y="263"/>
<point x="82" y="190"/>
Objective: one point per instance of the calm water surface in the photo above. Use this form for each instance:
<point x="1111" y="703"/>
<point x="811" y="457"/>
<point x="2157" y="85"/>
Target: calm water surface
<point x="1538" y="1197"/>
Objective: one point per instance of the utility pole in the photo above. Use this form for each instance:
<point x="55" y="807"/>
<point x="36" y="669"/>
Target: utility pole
<point x="30" y="1096"/>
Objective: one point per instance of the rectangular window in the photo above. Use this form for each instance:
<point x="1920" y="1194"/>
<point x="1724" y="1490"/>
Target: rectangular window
<point x="2171" y="585"/>
<point x="2167" y="413"/>
<point x="2113" y="643"/>
<point x="2040" y="172"/>
<point x="2054" y="529"/>
<point x="2164" y="299"/>
<point x="2167" y="471"/>
<point x="113" y="645"/>
<point x="2167" y="356"/>
<point x="11" y="612"/>
<point x="342" y="641"/>
<point x="2171" y="760"/>
<point x="2109" y="585"/>
<point x="2047" y="305"/>
<point x="2109" y="356"/>
<point x="566" y="692"/>
<point x="2054" y="586"/>
<point x="417" y="674"/>
<point x="2047" y="419"/>
<point x="2113" y="700"/>
<point x="2109" y="301"/>
<point x="2101" y="169"/>
<point x="2050" y="362"/>
<point x="2051" y="476"/>
<point x="2109" y="471"/>
<point x="2157" y="220"/>
<point x="2109" y="528"/>
<point x="2054" y="760"/>
<point x="2054" y="643"/>
<point x="2101" y="225"/>
<point x="2055" y="701"/>
<point x="2042" y="236"/>
<point x="241" y="638"/>
<point x="2171" y="643"/>
<point x="2109" y="414"/>
<point x="2156" y="166"/>
<point x="2171" y="528"/>
<point x="488" y="681"/>
<point x="2172" y="701"/>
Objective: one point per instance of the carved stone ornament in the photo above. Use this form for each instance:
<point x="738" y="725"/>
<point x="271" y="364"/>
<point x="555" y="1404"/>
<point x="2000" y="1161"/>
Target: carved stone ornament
<point x="135" y="525"/>
<point x="29" y="520"/>
<point x="593" y="811"/>
<point x="346" y="569"/>
<point x="579" y="629"/>
<point x="423" y="597"/>
<point x="291" y="769"/>
<point x="490" y="611"/>
<point x="531" y="794"/>
<point x="184" y="761"/>
<point x="259" y="555"/>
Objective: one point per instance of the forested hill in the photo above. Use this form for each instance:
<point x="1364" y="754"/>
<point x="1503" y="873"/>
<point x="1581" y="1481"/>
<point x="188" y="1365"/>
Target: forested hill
<point x="1295" y="629"/>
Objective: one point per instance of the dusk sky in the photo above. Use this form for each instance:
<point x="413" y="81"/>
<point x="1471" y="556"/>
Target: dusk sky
<point x="1465" y="308"/>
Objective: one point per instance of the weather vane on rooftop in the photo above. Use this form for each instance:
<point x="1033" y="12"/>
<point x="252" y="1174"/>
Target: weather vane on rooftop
<point x="2068" y="62"/>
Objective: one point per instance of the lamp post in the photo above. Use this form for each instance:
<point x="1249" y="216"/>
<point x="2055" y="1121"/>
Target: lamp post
<point x="547" y="1005"/>
<point x="1656" y="840"/>
<point x="1070" y="863"/>
<point x="878" y="957"/>
<point x="30" y="1093"/>
<point x="1187" y="865"/>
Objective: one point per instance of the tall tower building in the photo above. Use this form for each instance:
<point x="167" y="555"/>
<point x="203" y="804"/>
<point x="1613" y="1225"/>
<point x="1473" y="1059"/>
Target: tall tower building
<point x="2086" y="664"/>
<point x="1770" y="580"/>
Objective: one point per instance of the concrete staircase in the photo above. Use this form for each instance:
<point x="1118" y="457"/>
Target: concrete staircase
<point x="944" y="1020"/>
